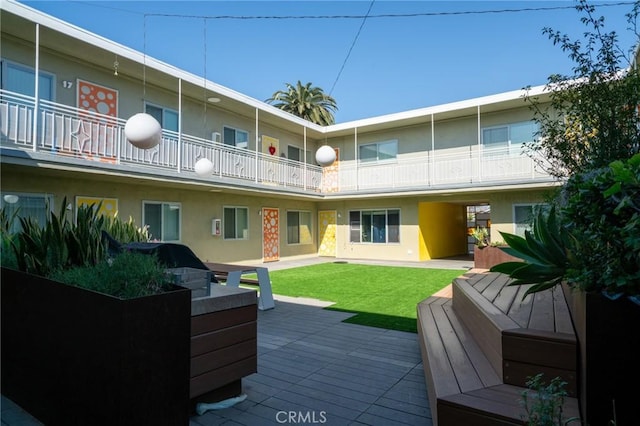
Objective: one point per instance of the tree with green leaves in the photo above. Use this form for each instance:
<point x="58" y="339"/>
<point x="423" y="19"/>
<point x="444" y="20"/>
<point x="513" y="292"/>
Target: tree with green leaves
<point x="305" y="101"/>
<point x="592" y="118"/>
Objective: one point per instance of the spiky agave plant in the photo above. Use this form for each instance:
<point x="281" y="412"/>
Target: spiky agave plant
<point x="545" y="251"/>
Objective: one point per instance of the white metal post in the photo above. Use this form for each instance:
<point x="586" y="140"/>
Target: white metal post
<point x="180" y="125"/>
<point x="36" y="108"/>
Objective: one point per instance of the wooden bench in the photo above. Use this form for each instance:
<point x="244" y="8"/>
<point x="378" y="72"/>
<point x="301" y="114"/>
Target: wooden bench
<point x="481" y="342"/>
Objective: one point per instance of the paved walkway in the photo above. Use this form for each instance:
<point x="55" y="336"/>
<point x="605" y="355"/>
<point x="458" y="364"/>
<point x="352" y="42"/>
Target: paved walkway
<point x="314" y="368"/>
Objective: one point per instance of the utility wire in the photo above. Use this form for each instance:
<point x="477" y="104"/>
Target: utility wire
<point x="351" y="48"/>
<point x="389" y="15"/>
<point x="386" y="15"/>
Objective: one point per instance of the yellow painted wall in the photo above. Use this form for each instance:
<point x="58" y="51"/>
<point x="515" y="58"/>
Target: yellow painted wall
<point x="442" y="230"/>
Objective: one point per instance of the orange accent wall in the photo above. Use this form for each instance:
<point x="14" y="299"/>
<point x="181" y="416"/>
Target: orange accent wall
<point x="270" y="234"/>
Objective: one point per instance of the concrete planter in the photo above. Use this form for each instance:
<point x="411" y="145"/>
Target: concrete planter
<point x="71" y="356"/>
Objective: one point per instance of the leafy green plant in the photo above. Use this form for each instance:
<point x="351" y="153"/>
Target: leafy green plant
<point x="7" y="254"/>
<point x="544" y="252"/>
<point x="77" y="253"/>
<point x="591" y="118"/>
<point x="481" y="236"/>
<point x="42" y="249"/>
<point x="544" y="403"/>
<point x="603" y="208"/>
<point x="126" y="231"/>
<point x="126" y="275"/>
<point x="593" y="243"/>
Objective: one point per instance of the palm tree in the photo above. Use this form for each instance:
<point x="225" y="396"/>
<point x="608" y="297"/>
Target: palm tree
<point x="308" y="102"/>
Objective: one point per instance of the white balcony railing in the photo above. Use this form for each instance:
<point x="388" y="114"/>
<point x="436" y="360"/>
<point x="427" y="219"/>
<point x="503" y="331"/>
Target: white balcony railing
<point x="442" y="169"/>
<point x="70" y="132"/>
<point x="65" y="131"/>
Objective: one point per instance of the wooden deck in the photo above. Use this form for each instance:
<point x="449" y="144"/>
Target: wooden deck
<point x="480" y="342"/>
<point x="310" y="363"/>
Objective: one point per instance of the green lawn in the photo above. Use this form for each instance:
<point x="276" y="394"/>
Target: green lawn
<point x="381" y="296"/>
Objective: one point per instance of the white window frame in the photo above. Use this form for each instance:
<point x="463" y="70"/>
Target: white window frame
<point x="162" y="204"/>
<point x="164" y="111"/>
<point x="7" y="64"/>
<point x="235" y="138"/>
<point x="377" y="145"/>
<point x="224" y="223"/>
<point x="510" y="147"/>
<point x="299" y="241"/>
<point x="302" y="154"/>
<point x="15" y="226"/>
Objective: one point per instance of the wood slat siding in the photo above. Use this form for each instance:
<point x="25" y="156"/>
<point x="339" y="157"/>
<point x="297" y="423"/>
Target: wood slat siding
<point x="486" y="331"/>
<point x="222" y="319"/>
<point x="208" y="342"/>
<point x="540" y="347"/>
<point x="222" y="376"/>
<point x="216" y="359"/>
<point x="223" y="348"/>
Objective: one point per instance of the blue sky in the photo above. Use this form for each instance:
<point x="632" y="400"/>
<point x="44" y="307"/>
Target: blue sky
<point x="439" y="52"/>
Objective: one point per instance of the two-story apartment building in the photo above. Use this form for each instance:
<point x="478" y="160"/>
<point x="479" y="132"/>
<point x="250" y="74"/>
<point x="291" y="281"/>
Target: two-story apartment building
<point x="399" y="189"/>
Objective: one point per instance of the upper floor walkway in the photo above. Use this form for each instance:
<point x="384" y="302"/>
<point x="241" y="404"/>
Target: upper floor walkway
<point x="64" y="135"/>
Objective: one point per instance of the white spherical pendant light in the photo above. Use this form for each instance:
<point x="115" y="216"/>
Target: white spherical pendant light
<point x="325" y="156"/>
<point x="143" y="131"/>
<point x="203" y="167"/>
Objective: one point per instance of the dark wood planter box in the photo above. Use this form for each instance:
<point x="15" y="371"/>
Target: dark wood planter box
<point x="71" y="356"/>
<point x="486" y="257"/>
<point x="609" y="346"/>
<point x="224" y="346"/>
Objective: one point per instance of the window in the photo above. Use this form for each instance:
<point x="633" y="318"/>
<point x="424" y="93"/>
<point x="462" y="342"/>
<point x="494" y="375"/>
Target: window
<point x="509" y="137"/>
<point x="523" y="215"/>
<point x="236" y="223"/>
<point x="299" y="227"/>
<point x="380" y="151"/>
<point x="163" y="220"/>
<point x="235" y="137"/>
<point x="167" y="118"/>
<point x="21" y="79"/>
<point x="297" y="154"/>
<point x="36" y="206"/>
<point x="374" y="226"/>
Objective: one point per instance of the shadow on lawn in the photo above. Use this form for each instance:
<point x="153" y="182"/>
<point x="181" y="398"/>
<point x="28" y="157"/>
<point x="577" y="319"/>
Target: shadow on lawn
<point x="372" y="319"/>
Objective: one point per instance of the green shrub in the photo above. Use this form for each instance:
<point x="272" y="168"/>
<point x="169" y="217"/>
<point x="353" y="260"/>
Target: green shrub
<point x="593" y="243"/>
<point x="126" y="275"/>
<point x="543" y="402"/>
<point x="602" y="207"/>
<point x="76" y="253"/>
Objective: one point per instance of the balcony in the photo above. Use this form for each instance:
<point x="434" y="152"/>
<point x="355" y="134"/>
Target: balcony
<point x="66" y="134"/>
